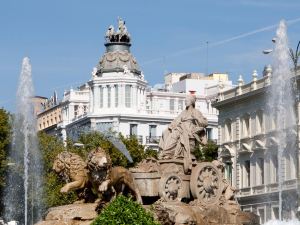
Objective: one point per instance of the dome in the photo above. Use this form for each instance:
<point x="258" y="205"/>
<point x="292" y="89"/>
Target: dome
<point x="117" y="59"/>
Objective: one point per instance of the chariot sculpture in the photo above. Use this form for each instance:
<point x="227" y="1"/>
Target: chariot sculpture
<point x="177" y="175"/>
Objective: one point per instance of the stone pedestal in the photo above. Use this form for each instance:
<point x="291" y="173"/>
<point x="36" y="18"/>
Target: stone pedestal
<point x="181" y="214"/>
<point x="74" y="214"/>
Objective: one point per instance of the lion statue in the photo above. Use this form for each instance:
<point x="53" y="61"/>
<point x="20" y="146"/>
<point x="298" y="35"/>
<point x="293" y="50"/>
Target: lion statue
<point x="105" y="178"/>
<point x="73" y="169"/>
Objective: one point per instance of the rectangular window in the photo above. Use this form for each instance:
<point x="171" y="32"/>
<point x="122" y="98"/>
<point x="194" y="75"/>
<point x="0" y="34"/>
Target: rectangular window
<point x="133" y="129"/>
<point x="180" y="105"/>
<point x="275" y="168"/>
<point x="260" y="164"/>
<point x="261" y="213"/>
<point x="116" y="96"/>
<point x="76" y="110"/>
<point x="108" y="96"/>
<point x="288" y="167"/>
<point x="228" y="171"/>
<point x="209" y="133"/>
<point x="172" y="103"/>
<point x="245" y="126"/>
<point x="275" y="213"/>
<point x="152" y="130"/>
<point x="101" y="97"/>
<point x="128" y="96"/>
<point x="247" y="173"/>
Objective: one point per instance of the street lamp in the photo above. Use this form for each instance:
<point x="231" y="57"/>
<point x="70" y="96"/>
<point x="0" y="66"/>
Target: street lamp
<point x="267" y="51"/>
<point x="78" y="145"/>
<point x="293" y="54"/>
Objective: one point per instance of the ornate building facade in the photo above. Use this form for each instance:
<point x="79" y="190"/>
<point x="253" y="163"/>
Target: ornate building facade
<point x="118" y="98"/>
<point x="249" y="148"/>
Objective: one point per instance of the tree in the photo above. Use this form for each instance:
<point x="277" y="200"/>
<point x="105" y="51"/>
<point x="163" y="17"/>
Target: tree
<point x="124" y="211"/>
<point x="137" y="151"/>
<point x="5" y="134"/>
<point x="50" y="147"/>
<point x="209" y="152"/>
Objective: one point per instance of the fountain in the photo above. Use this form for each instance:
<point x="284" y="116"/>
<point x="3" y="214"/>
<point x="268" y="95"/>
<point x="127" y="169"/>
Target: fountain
<point x="22" y="198"/>
<point x="281" y="101"/>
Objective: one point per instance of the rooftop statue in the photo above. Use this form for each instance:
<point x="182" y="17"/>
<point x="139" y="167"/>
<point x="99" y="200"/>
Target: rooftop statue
<point x="110" y="34"/>
<point x="121" y="35"/>
<point x="183" y="134"/>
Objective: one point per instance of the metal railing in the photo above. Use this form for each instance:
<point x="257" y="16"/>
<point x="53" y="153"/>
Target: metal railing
<point x="138" y="137"/>
<point x="152" y="139"/>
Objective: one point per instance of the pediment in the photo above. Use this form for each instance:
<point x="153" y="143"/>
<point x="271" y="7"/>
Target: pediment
<point x="259" y="144"/>
<point x="272" y="141"/>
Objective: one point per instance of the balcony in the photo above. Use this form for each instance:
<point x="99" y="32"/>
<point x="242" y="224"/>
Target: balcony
<point x="245" y="191"/>
<point x="138" y="137"/>
<point x="152" y="140"/>
<point x="259" y="189"/>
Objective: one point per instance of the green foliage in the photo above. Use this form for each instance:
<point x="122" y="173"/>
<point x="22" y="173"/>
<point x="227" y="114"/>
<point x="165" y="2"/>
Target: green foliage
<point x="208" y="152"/>
<point x="151" y="153"/>
<point x="5" y="134"/>
<point x="94" y="139"/>
<point x="50" y="147"/>
<point x="124" y="211"/>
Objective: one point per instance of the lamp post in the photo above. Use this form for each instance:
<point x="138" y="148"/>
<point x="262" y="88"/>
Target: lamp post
<point x="293" y="54"/>
<point x="295" y="57"/>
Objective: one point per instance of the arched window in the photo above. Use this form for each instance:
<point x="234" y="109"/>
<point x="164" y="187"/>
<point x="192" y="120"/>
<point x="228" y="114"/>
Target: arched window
<point x="101" y="97"/>
<point x="108" y="96"/>
<point x="116" y="95"/>
<point x="128" y="95"/>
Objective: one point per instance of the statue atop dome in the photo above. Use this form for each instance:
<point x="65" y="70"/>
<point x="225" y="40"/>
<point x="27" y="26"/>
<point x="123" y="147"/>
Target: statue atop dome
<point x="121" y="35"/>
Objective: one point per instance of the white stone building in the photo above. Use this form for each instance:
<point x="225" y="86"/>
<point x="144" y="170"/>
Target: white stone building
<point x="248" y="147"/>
<point x="117" y="97"/>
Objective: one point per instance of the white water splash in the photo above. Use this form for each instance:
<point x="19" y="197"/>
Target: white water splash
<point x="23" y="193"/>
<point x="281" y="102"/>
<point x="277" y="222"/>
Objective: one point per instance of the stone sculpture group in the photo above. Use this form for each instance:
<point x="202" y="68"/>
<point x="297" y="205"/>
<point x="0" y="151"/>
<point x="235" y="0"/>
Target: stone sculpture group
<point x="188" y="192"/>
<point x="121" y="35"/>
<point x="95" y="175"/>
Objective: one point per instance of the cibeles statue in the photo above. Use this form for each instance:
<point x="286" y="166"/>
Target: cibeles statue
<point x="184" y="134"/>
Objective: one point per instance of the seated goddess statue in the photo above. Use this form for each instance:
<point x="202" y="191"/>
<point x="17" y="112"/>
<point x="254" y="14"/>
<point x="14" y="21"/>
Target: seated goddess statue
<point x="183" y="134"/>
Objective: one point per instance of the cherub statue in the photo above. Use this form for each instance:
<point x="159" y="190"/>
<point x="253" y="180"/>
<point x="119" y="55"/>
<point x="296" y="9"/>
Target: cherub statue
<point x="126" y="70"/>
<point x="94" y="72"/>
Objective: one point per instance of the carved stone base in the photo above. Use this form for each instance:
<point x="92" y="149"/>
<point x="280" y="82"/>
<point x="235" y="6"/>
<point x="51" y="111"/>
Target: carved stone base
<point x="169" y="213"/>
<point x="74" y="214"/>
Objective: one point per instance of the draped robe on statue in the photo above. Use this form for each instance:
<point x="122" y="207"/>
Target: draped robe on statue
<point x="182" y="135"/>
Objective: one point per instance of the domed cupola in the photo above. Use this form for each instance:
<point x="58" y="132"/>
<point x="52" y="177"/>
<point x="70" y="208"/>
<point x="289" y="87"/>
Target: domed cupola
<point x="117" y="57"/>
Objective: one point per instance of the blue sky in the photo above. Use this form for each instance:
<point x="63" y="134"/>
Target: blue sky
<point x="64" y="38"/>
